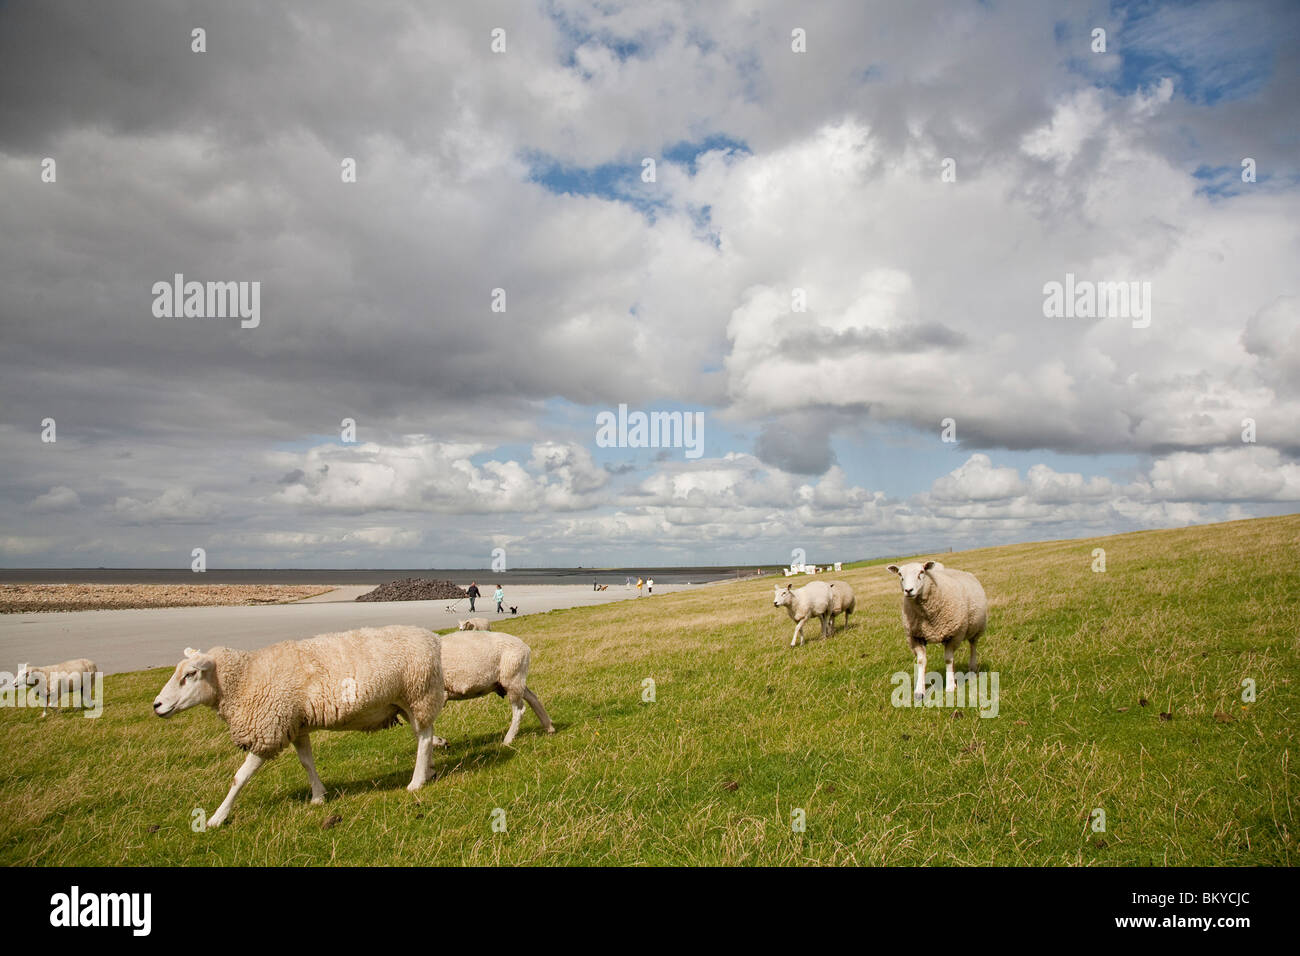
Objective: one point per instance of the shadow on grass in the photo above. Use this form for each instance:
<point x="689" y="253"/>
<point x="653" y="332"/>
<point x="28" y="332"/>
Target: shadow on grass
<point x="463" y="756"/>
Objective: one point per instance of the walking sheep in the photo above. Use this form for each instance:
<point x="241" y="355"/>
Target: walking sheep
<point x="362" y="679"/>
<point x="53" y="681"/>
<point x="941" y="606"/>
<point x="475" y="624"/>
<point x="811" y="600"/>
<point x="842" y="600"/>
<point x="475" y="664"/>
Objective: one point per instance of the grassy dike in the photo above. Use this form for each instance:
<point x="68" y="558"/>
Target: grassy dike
<point x="745" y="731"/>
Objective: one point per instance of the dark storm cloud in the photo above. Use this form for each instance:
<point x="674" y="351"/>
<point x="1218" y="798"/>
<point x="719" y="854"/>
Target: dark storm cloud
<point x="814" y="344"/>
<point x="799" y="443"/>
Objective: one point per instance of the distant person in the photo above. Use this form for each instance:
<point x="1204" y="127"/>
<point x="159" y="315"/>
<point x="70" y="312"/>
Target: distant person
<point x="595" y="586"/>
<point x="639" y="582"/>
<point x="473" y="593"/>
<point x="650" y="585"/>
<point x="500" y="596"/>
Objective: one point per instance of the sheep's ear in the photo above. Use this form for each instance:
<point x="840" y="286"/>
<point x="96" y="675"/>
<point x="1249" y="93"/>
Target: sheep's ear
<point x="929" y="566"/>
<point x="894" y="568"/>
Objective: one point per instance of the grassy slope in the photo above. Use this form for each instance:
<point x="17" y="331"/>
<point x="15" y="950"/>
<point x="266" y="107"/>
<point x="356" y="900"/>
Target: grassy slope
<point x="745" y="729"/>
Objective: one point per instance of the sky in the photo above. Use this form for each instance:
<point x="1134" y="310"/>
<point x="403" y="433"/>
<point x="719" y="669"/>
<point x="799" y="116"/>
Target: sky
<point x="824" y="231"/>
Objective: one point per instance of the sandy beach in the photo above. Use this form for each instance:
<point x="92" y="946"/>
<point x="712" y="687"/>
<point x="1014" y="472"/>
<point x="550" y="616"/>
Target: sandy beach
<point x="127" y="640"/>
<point x="20" y="598"/>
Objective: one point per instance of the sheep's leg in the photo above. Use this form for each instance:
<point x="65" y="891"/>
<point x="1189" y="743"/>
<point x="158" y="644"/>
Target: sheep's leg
<point x="539" y="710"/>
<point x="918" y="689"/>
<point x="302" y="744"/>
<point x="516" y="714"/>
<point x="950" y="680"/>
<point x="421" y="776"/>
<point x="828" y="625"/>
<point x="798" y="627"/>
<point x="242" y="776"/>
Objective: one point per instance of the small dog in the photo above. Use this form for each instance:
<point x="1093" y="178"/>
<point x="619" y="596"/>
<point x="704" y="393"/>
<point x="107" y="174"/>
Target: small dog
<point x="513" y="609"/>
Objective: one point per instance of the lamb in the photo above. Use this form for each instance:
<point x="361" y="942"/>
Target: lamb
<point x="52" y="681"/>
<point x="941" y="606"/>
<point x="842" y="600"/>
<point x="475" y="624"/>
<point x="362" y="679"/>
<point x="475" y="664"/>
<point x="811" y="600"/>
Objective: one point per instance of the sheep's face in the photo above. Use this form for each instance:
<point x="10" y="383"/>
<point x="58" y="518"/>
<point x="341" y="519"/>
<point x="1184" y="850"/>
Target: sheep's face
<point x="782" y="597"/>
<point x="192" y="683"/>
<point x="463" y="625"/>
<point x="914" y="578"/>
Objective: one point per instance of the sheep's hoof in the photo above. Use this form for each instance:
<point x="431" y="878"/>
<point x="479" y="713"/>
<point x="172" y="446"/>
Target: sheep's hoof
<point x="918" y="696"/>
<point x="318" y="801"/>
<point x="551" y="729"/>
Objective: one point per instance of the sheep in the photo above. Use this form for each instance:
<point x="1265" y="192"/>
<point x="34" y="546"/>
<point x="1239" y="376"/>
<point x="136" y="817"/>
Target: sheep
<point x="475" y="624"/>
<point x="842" y="599"/>
<point x="811" y="600"/>
<point x="52" y="681"/>
<point x="941" y="606"/>
<point x="362" y="679"/>
<point x="474" y="664"/>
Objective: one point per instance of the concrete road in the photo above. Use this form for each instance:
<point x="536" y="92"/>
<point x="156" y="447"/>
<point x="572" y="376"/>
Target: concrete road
<point x="130" y="640"/>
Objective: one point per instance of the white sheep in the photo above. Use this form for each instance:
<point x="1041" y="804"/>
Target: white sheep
<point x="811" y="600"/>
<point x="941" y="606"/>
<point x="362" y="679"/>
<point x="475" y="664"/>
<point x="53" y="681"/>
<point x="842" y="601"/>
<point x="475" y="624"/>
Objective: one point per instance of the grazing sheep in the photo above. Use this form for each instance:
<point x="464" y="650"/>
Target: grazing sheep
<point x="478" y="664"/>
<point x="52" y="681"/>
<point x="941" y="606"/>
<point x="362" y="679"/>
<point x="842" y="600"/>
<point x="475" y="624"/>
<point x="811" y="600"/>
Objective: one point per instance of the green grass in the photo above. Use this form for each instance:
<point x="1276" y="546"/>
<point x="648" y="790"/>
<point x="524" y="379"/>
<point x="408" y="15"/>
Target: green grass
<point x="746" y="729"/>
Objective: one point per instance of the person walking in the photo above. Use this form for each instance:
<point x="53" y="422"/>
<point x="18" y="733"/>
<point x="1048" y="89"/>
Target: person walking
<point x="473" y="594"/>
<point x="650" y="585"/>
<point x="500" y="596"/>
<point x="639" y="582"/>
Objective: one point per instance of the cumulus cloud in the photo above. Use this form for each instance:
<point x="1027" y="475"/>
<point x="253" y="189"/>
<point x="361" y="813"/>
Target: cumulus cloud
<point x="61" y="498"/>
<point x="799" y="270"/>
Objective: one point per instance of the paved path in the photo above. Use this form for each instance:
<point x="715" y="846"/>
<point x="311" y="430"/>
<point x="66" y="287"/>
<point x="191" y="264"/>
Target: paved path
<point x="129" y="640"/>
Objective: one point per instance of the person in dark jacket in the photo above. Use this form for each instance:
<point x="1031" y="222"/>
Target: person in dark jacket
<point x="473" y="593"/>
